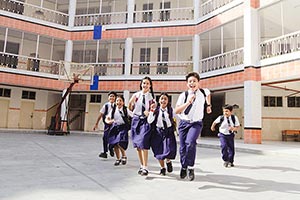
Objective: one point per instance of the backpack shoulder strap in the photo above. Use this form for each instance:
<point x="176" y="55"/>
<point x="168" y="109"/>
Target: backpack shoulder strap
<point x="233" y="119"/>
<point x="203" y="92"/>
<point x="221" y="118"/>
<point x="105" y="112"/>
<point x="186" y="93"/>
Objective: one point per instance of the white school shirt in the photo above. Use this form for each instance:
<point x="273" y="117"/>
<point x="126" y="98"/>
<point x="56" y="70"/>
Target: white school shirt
<point x="138" y="104"/>
<point x="197" y="111"/>
<point x="110" y="106"/>
<point x="159" y="122"/>
<point x="224" y="127"/>
<point x="118" y="117"/>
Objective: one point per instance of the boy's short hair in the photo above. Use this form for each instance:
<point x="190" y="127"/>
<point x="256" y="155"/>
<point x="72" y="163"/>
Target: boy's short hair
<point x="112" y="92"/>
<point x="194" y="74"/>
<point x="228" y="107"/>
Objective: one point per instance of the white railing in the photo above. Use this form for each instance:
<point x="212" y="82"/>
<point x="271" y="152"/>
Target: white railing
<point x="221" y="61"/>
<point x="161" y="15"/>
<point x="280" y="45"/>
<point x="34" y="11"/>
<point x="27" y="63"/>
<point x="109" y="69"/>
<point x="101" y="19"/>
<point x="162" y="68"/>
<point x="212" y="5"/>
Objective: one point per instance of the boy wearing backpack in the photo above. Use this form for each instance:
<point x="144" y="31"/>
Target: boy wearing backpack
<point x="107" y="107"/>
<point x="190" y="109"/>
<point x="229" y="125"/>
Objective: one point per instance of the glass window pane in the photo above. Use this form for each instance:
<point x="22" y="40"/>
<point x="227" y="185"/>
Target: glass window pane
<point x="45" y="47"/>
<point x="204" y="45"/>
<point x="58" y="50"/>
<point x="215" y="42"/>
<point x="29" y="45"/>
<point x="14" y="40"/>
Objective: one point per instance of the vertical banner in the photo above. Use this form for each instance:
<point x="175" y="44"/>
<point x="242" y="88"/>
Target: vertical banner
<point x="94" y="85"/>
<point x="97" y="32"/>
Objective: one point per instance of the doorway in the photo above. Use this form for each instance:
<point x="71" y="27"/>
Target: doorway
<point x="77" y="112"/>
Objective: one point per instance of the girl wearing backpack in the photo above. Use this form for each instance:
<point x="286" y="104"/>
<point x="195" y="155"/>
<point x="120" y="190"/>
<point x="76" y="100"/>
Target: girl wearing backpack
<point x="163" y="142"/>
<point x="140" y="103"/>
<point x="118" y="118"/>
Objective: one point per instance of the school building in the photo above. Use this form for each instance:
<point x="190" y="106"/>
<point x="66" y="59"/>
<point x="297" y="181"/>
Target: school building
<point x="247" y="53"/>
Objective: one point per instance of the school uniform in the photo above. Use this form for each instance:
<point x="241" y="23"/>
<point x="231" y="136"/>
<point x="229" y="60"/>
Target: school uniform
<point x="140" y="128"/>
<point x="227" y="137"/>
<point x="190" y="127"/>
<point x="163" y="142"/>
<point x="109" y="106"/>
<point x="118" y="131"/>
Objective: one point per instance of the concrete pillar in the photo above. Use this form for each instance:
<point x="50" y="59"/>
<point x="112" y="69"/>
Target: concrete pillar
<point x="196" y="53"/>
<point x="130" y="9"/>
<point x="128" y="55"/>
<point x="196" y="9"/>
<point x="252" y="84"/>
<point x="72" y="12"/>
<point x="126" y="95"/>
<point x="68" y="56"/>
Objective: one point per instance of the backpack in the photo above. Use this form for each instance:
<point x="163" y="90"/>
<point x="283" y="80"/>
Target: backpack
<point x="105" y="113"/>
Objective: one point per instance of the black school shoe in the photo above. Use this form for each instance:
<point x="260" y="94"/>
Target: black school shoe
<point x="191" y="174"/>
<point x="111" y="152"/>
<point x="144" y="172"/>
<point x="183" y="173"/>
<point x="117" y="162"/>
<point x="103" y="155"/>
<point x="169" y="167"/>
<point x="163" y="171"/>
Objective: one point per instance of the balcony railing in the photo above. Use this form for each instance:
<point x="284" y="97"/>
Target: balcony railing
<point x="161" y="15"/>
<point x="101" y="19"/>
<point x="212" y="5"/>
<point x="280" y="45"/>
<point x="37" y="12"/>
<point x="29" y="63"/>
<point x="221" y="61"/>
<point x="161" y="68"/>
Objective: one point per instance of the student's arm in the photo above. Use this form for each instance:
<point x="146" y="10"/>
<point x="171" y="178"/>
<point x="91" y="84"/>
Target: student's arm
<point x="151" y="116"/>
<point x="213" y="126"/>
<point x="108" y="120"/>
<point x="131" y="102"/>
<point x="97" y="122"/>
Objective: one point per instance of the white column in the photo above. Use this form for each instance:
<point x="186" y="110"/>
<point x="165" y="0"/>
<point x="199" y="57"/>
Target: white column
<point x="196" y="9"/>
<point x="126" y="95"/>
<point x="72" y="12"/>
<point x="251" y="36"/>
<point x="128" y="55"/>
<point x="196" y="53"/>
<point x="130" y="10"/>
<point x="252" y="104"/>
<point x="68" y="56"/>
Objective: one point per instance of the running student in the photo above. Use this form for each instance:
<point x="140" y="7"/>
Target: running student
<point x="163" y="142"/>
<point x="140" y="103"/>
<point x="229" y="125"/>
<point x="118" y="118"/>
<point x="106" y="108"/>
<point x="190" y="110"/>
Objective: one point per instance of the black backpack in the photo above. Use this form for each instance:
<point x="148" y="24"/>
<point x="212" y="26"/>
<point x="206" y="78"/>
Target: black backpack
<point x="222" y="119"/>
<point x="126" y="118"/>
<point x="170" y="113"/>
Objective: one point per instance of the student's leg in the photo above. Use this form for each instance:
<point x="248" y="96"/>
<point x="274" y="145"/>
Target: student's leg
<point x="231" y="150"/>
<point x="162" y="167"/>
<point x="117" y="151"/>
<point x="105" y="139"/>
<point x="224" y="151"/>
<point x="191" y="143"/>
<point x="182" y="144"/>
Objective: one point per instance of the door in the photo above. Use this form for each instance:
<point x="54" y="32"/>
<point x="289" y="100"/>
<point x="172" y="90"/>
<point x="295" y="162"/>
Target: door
<point x="26" y="116"/>
<point x="4" y="113"/>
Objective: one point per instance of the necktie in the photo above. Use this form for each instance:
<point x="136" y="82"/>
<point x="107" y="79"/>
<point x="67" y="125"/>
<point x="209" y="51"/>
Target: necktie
<point x="164" y="119"/>
<point x="121" y="113"/>
<point x="143" y="105"/>
<point x="188" y="109"/>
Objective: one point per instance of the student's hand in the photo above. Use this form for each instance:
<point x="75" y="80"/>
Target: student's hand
<point x="95" y="127"/>
<point x="208" y="109"/>
<point x="146" y="113"/>
<point x="191" y="98"/>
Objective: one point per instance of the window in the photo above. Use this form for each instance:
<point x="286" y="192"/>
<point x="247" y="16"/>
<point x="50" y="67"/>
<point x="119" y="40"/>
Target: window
<point x="28" y="95"/>
<point x="162" y="58"/>
<point x="95" y="98"/>
<point x="4" y="92"/>
<point x="293" y="102"/>
<point x="147" y="14"/>
<point x="271" y="101"/>
<point x="145" y="61"/>
<point x="165" y="13"/>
